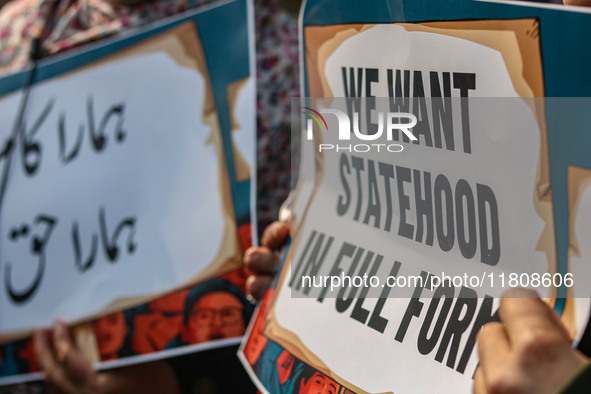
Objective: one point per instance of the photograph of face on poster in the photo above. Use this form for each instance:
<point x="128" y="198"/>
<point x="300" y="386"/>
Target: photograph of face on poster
<point x="215" y="309"/>
<point x="212" y="310"/>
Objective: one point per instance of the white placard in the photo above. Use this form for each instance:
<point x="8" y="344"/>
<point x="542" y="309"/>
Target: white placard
<point x="125" y="160"/>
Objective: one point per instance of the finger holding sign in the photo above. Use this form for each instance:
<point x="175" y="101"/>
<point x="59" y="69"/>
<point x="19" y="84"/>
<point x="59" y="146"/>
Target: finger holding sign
<point x="78" y="370"/>
<point x="261" y="261"/>
<point x="524" y="313"/>
<point x="66" y="371"/>
<point x="275" y="235"/>
<point x="256" y="285"/>
<point x="478" y="386"/>
<point x="529" y="352"/>
<point x="494" y="336"/>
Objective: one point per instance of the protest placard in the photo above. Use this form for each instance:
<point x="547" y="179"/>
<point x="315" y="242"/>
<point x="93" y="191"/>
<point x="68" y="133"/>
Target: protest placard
<point x="403" y="242"/>
<point x="126" y="175"/>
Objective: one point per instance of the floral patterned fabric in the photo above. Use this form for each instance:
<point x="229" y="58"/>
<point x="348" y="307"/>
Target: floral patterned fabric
<point x="277" y="82"/>
<point x="66" y="24"/>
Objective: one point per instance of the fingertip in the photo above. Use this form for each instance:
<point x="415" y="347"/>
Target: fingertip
<point x="275" y="235"/>
<point x="516" y="300"/>
<point x="256" y="285"/>
<point x="478" y="385"/>
<point x="39" y="339"/>
<point x="42" y="348"/>
<point x="250" y="256"/>
<point x="60" y="330"/>
<point x="248" y="285"/>
<point x="260" y="260"/>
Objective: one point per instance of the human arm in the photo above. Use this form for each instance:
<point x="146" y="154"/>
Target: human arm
<point x="67" y="371"/>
